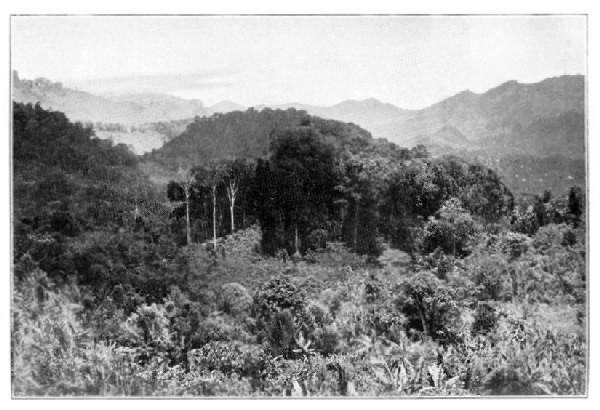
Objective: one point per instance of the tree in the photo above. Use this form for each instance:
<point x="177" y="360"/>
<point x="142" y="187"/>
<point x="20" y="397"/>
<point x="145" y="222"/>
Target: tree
<point x="183" y="184"/>
<point x="236" y="172"/>
<point x="576" y="204"/>
<point x="360" y="192"/>
<point x="305" y="176"/>
<point x="429" y="305"/>
<point x="451" y="230"/>
<point x="213" y="177"/>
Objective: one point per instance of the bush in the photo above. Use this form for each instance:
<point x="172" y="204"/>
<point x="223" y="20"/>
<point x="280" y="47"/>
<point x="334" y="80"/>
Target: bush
<point x="490" y="275"/>
<point x="552" y="236"/>
<point x="438" y="262"/>
<point x="327" y="340"/>
<point x="514" y="244"/>
<point x="281" y="333"/>
<point x="486" y="319"/>
<point x="235" y="299"/>
<point x="319" y="314"/>
<point x="277" y="296"/>
<point x="231" y="357"/>
<point x="429" y="306"/>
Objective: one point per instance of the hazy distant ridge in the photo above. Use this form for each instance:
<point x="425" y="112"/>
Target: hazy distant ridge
<point x="124" y="109"/>
<point x="542" y="119"/>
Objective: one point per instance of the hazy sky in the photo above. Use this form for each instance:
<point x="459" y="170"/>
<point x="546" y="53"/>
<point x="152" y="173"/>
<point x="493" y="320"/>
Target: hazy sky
<point x="411" y="62"/>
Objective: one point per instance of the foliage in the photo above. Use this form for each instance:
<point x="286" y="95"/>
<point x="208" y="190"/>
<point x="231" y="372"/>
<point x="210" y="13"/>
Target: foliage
<point x="111" y="298"/>
<point x="450" y="231"/>
<point x="235" y="299"/>
<point x="429" y="306"/>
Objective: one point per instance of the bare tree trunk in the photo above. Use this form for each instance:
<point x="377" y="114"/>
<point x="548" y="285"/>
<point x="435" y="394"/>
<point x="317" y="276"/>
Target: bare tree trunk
<point x="232" y="222"/>
<point x="188" y="228"/>
<point x="342" y="222"/>
<point x="231" y="194"/>
<point x="296" y="240"/>
<point x="356" y="209"/>
<point x="214" y="192"/>
<point x="423" y="321"/>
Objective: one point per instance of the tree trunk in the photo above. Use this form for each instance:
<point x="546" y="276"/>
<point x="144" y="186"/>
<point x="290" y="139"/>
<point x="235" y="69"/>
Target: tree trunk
<point x="342" y="222"/>
<point x="426" y="329"/>
<point x="356" y="209"/>
<point x="188" y="228"/>
<point x="232" y="210"/>
<point x="214" y="192"/>
<point x="296" y="240"/>
<point x="231" y="194"/>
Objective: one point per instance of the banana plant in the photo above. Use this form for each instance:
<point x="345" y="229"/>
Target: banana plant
<point x="304" y="346"/>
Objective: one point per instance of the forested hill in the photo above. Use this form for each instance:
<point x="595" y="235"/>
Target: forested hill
<point x="248" y="134"/>
<point x="73" y="195"/>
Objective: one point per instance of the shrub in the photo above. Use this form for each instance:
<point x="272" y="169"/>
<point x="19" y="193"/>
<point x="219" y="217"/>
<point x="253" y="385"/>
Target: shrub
<point x="235" y="299"/>
<point x="490" y="274"/>
<point x="231" y="357"/>
<point x="525" y="222"/>
<point x="514" y="244"/>
<point x="373" y="290"/>
<point x="552" y="236"/>
<point x="486" y="319"/>
<point x="279" y="295"/>
<point x="438" y="262"/>
<point x="327" y="340"/>
<point x="333" y="301"/>
<point x="281" y="332"/>
<point x="319" y="314"/>
<point x="276" y="295"/>
<point x="429" y="306"/>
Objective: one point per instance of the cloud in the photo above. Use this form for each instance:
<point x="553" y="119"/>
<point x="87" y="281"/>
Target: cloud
<point x="158" y="83"/>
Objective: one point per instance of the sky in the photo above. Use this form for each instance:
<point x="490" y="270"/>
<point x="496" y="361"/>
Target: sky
<point x="409" y="61"/>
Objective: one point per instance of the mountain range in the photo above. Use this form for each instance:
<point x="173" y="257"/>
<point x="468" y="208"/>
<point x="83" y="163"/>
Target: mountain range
<point x="540" y="119"/>
<point x="127" y="109"/>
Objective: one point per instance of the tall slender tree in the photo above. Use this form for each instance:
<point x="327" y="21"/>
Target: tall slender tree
<point x="235" y="174"/>
<point x="181" y="190"/>
<point x="213" y="179"/>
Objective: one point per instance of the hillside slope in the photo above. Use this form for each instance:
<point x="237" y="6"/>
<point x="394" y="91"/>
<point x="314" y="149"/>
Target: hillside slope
<point x="541" y="119"/>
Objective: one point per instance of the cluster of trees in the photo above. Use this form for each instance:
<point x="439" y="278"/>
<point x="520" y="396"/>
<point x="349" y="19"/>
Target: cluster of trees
<point x="536" y="211"/>
<point x="204" y="192"/>
<point x="319" y="182"/>
<point x="310" y="190"/>
<point x="82" y="209"/>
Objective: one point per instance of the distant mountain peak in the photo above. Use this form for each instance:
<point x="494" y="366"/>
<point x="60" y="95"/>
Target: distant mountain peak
<point x="506" y="86"/>
<point x="366" y="102"/>
<point x="226" y="106"/>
